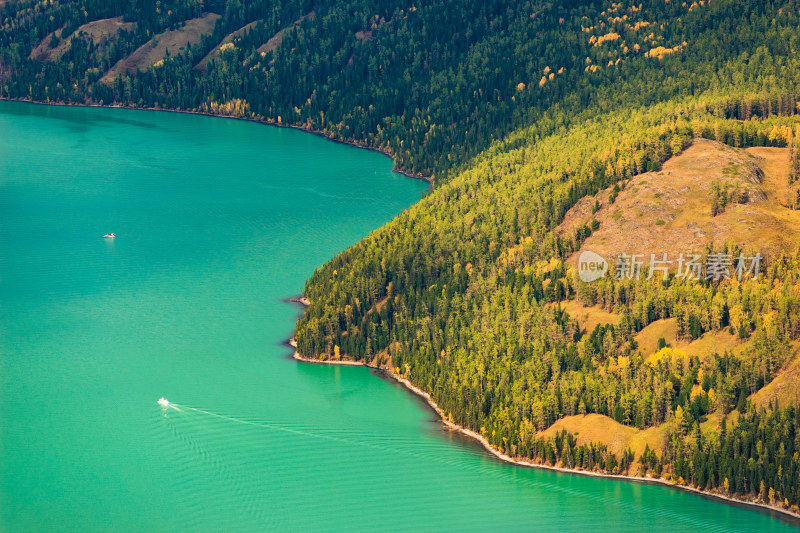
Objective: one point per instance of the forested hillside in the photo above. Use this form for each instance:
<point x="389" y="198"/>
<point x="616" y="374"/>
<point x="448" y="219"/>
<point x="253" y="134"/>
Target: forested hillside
<point x="519" y="110"/>
<point x="432" y="84"/>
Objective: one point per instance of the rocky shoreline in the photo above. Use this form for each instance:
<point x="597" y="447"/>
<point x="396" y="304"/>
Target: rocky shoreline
<point x="785" y="514"/>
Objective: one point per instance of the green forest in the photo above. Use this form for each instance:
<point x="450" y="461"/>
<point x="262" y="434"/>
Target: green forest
<point x="515" y="111"/>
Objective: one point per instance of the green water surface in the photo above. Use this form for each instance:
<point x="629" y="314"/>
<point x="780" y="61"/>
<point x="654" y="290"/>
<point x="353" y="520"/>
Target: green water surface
<point x="217" y="222"/>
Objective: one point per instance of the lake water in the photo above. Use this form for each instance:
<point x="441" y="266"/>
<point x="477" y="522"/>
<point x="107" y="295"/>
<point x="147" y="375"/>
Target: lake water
<point x="217" y="222"/>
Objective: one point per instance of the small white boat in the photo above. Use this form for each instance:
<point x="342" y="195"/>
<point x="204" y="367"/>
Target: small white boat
<point x="109" y="235"/>
<point x="163" y="402"/>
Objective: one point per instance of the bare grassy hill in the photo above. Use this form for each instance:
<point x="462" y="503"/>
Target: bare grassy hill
<point x="100" y="31"/>
<point x="670" y="211"/>
<point x="596" y="428"/>
<point x="173" y="41"/>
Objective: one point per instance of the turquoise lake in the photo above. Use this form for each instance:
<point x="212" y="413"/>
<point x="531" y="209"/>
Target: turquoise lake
<point x="218" y="222"/>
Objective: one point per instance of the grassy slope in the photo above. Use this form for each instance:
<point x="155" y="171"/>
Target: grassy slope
<point x="785" y="388"/>
<point x="669" y="211"/>
<point x="589" y="317"/>
<point x="100" y="31"/>
<point x="595" y="428"/>
<point x="173" y="41"/>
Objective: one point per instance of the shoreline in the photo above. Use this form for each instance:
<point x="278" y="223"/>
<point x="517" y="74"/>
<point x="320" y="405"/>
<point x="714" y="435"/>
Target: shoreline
<point x="785" y="515"/>
<point x="355" y="144"/>
<point x="779" y="513"/>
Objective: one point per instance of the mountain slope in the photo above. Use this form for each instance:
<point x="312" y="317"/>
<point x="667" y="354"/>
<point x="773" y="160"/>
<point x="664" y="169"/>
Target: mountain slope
<point x="672" y="210"/>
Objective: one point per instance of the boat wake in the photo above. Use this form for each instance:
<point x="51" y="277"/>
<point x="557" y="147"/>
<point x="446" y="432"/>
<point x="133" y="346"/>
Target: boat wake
<point x="238" y="455"/>
<point x="382" y="444"/>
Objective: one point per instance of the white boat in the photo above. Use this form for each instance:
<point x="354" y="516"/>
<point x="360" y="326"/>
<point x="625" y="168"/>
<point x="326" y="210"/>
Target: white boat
<point x="163" y="402"/>
<point x="109" y="235"/>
